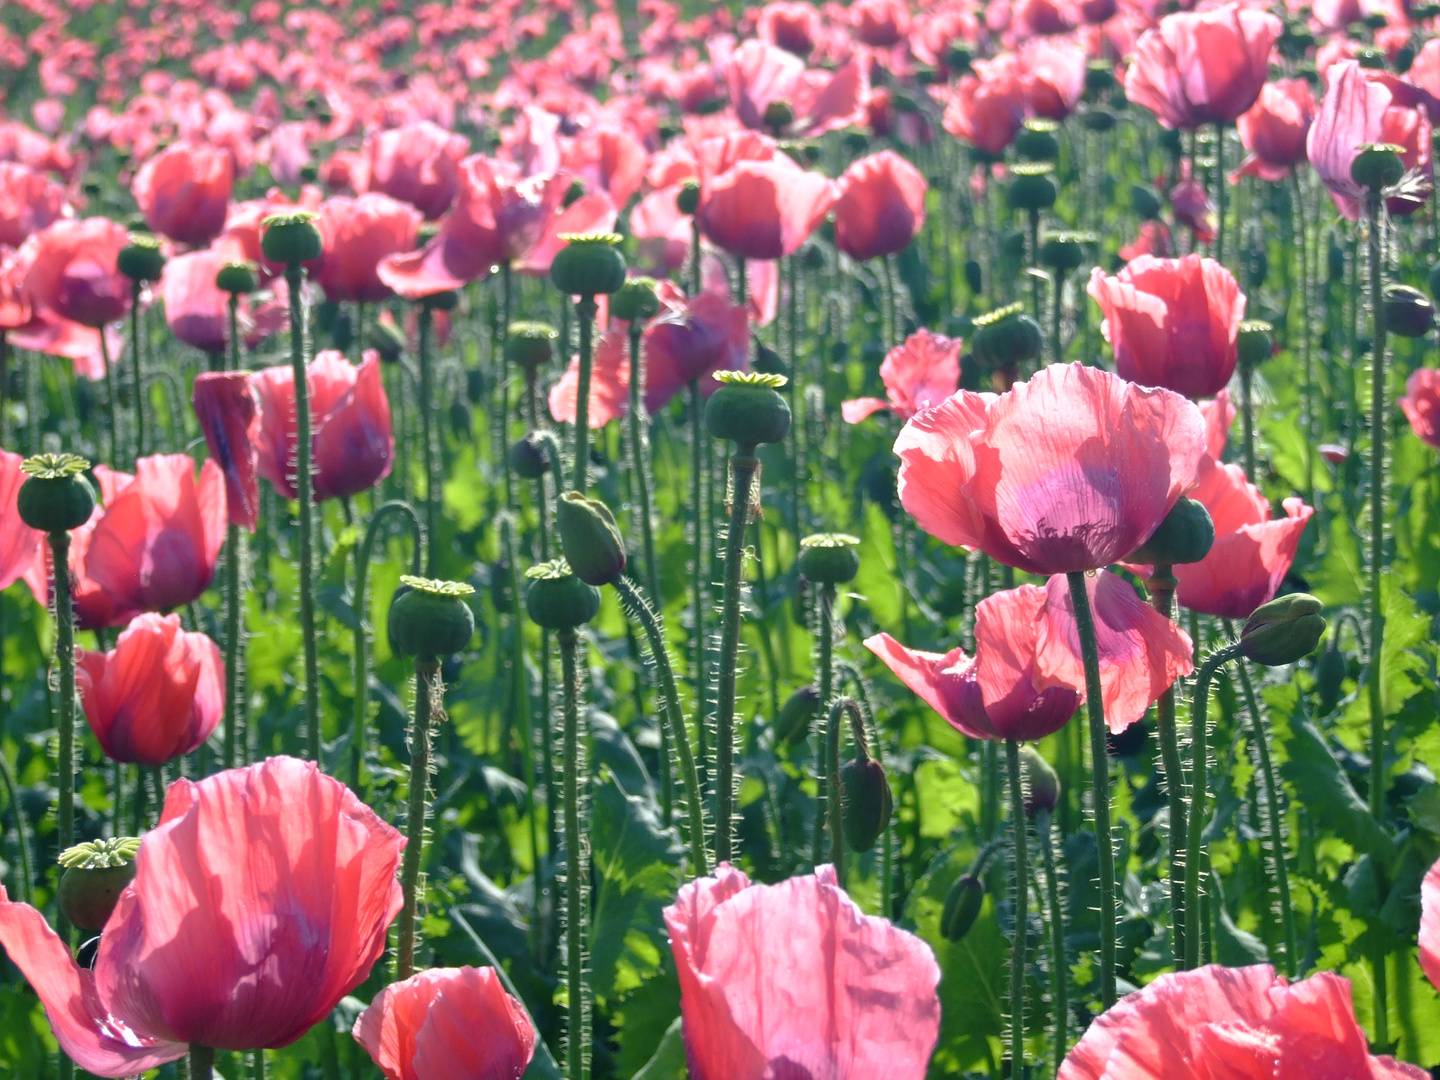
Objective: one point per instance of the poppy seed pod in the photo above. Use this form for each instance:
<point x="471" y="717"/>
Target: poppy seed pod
<point x="590" y="538"/>
<point x="1254" y="342"/>
<point x="778" y="116"/>
<point x="590" y="264"/>
<point x="866" y="803"/>
<point x="1099" y="76"/>
<point x="1006" y="337"/>
<point x="291" y="238"/>
<point x="530" y="456"/>
<point x="1031" y="186"/>
<point x="830" y="558"/>
<point x="1370" y="58"/>
<point x="1377" y="166"/>
<point x="1185" y="536"/>
<point x="96" y="873"/>
<point x="748" y="409"/>
<point x="1098" y="118"/>
<point x="1037" y="141"/>
<point x="1408" y="312"/>
<point x="636" y="300"/>
<point x="1063" y="252"/>
<point x="687" y="199"/>
<point x="530" y="344"/>
<point x="141" y="259"/>
<point x="1041" y="782"/>
<point x="797" y="714"/>
<point x="238" y="278"/>
<point x="556" y="599"/>
<point x="1284" y="630"/>
<point x="430" y="619"/>
<point x="55" y="496"/>
<point x="962" y="907"/>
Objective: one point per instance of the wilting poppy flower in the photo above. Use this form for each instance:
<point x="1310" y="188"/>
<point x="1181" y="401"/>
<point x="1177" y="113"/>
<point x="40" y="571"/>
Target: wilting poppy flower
<point x="1070" y="471"/>
<point x="354" y="447"/>
<point x="155" y="546"/>
<point x="793" y="26"/>
<point x="19" y="544"/>
<point x="157" y="695"/>
<point x="764" y="209"/>
<point x="184" y="191"/>
<point x="1218" y="1021"/>
<point x="987" y="108"/>
<point x="447" y="1023"/>
<point x="29" y="201"/>
<point x="229" y="415"/>
<point x="759" y="76"/>
<point x="922" y="372"/>
<point x="72" y="270"/>
<point x="1172" y="322"/>
<point x="418" y="164"/>
<point x="1274" y="129"/>
<point x="1430" y="924"/>
<point x="1203" y="67"/>
<point x="358" y="234"/>
<point x="792" y="980"/>
<point x="881" y="206"/>
<point x="209" y="945"/>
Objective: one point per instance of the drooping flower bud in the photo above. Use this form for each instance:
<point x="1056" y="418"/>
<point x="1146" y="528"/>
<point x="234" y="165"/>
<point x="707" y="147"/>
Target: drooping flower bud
<point x="556" y="599"/>
<point x="865" y="801"/>
<point x="96" y="873"/>
<point x="1184" y="536"/>
<point x="830" y="558"/>
<point x="748" y="409"/>
<point x="962" y="907"/>
<point x="141" y="259"/>
<point x="55" y="496"/>
<point x="590" y="264"/>
<point x="1330" y="671"/>
<point x="1041" y="782"/>
<point x="291" y="238"/>
<point x="430" y="619"/>
<point x="1408" y="312"/>
<point x="1284" y="630"/>
<point x="590" y="538"/>
<point x="530" y="456"/>
<point x="385" y="338"/>
<point x="1377" y="166"/>
<point x="1145" y="201"/>
<point x="797" y="714"/>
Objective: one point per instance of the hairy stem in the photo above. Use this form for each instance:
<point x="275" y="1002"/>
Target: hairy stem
<point x="744" y="466"/>
<point x="426" y="674"/>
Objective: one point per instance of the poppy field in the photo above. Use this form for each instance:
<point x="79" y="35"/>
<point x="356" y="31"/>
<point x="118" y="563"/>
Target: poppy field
<point x="645" y="539"/>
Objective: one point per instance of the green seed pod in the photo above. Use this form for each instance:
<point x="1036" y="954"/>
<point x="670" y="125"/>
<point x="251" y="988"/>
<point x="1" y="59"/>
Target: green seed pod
<point x="748" y="409"/>
<point x="1370" y="58"/>
<point x="778" y="115"/>
<point x="1185" y="536"/>
<point x="1330" y="670"/>
<point x="96" y="873"/>
<point x="1099" y="76"/>
<point x="590" y="538"/>
<point x="1254" y="342"/>
<point x="1037" y="140"/>
<point x="291" y="238"/>
<point x="1063" y="252"/>
<point x="1295" y="40"/>
<point x="855" y="141"/>
<point x="958" y="58"/>
<point x="1284" y="630"/>
<point x="574" y="193"/>
<point x="1424" y="11"/>
<point x="558" y="600"/>
<point x="797" y="715"/>
<point x="1377" y="166"/>
<point x="830" y="558"/>
<point x="687" y="199"/>
<point x="1041" y="782"/>
<point x="1031" y="187"/>
<point x="1408" y="312"/>
<point x="962" y="907"/>
<point x="530" y="345"/>
<point x="865" y="802"/>
<point x="636" y="300"/>
<point x="141" y="259"/>
<point x="590" y="264"/>
<point x="448" y="300"/>
<point x="238" y="278"/>
<point x="1404" y="58"/>
<point x="1006" y="337"/>
<point x="530" y="456"/>
<point x="1145" y="201"/>
<point x="430" y="619"/>
<point x="55" y="497"/>
<point x="1098" y="118"/>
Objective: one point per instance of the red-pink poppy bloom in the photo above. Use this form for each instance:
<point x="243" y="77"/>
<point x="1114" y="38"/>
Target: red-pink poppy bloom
<point x="987" y="109"/>
<point x="358" y="233"/>
<point x="19" y="544"/>
<point x="1231" y="1022"/>
<point x="212" y="947"/>
<point x="760" y="75"/>
<point x="791" y="25"/>
<point x="197" y="311"/>
<point x="184" y="191"/>
<point x="1053" y="75"/>
<point x="447" y="1023"/>
<point x="918" y="374"/>
<point x="72" y="270"/>
<point x="764" y="209"/>
<point x="229" y="413"/>
<point x="1204" y="67"/>
<point x="1219" y="414"/>
<point x="1069" y="471"/>
<point x="1192" y="207"/>
<point x="593" y="213"/>
<point x="610" y="160"/>
<point x="1274" y="129"/>
<point x="1430" y="924"/>
<point x="1421" y="404"/>
<point x="157" y="695"/>
<point x="881" y="206"/>
<point x="1154" y="239"/>
<point x="29" y="201"/>
<point x="793" y="980"/>
<point x="94" y="606"/>
<point x="354" y="447"/>
<point x="880" y="23"/>
<point x="1044" y="17"/>
<point x="661" y="231"/>
<point x="1172" y="322"/>
<point x="418" y="164"/>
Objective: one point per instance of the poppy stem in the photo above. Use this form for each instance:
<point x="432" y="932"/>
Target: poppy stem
<point x="423" y="319"/>
<point x="1018" y="822"/>
<point x="699" y="639"/>
<point x="1220" y="193"/>
<point x="585" y="309"/>
<point x="427" y="673"/>
<point x="577" y="1054"/>
<point x="257" y="1065"/>
<point x="112" y="399"/>
<point x="1161" y="586"/>
<point x="1034" y="252"/>
<point x="1056" y="353"/>
<point x="65" y="662"/>
<point x="824" y="632"/>
<point x="305" y="513"/>
<point x="1059" y="962"/>
<point x="22" y="841"/>
<point x="137" y="368"/>
<point x="834" y="798"/>
<point x="640" y="610"/>
<point x="1194" y="855"/>
<point x="202" y="1062"/>
<point x="1247" y="411"/>
<point x="1297" y="194"/>
<point x="1100" y="767"/>
<point x="234" y="641"/>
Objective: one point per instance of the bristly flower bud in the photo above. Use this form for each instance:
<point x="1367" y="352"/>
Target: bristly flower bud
<point x="590" y="538"/>
<point x="830" y="558"/>
<point x="530" y="456"/>
<point x="797" y="714"/>
<point x="1041" y="782"/>
<point x="962" y="907"/>
<point x="865" y="801"/>
<point x="1283" y="631"/>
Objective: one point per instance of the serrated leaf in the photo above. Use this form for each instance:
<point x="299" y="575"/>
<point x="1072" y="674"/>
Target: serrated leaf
<point x="1320" y="781"/>
<point x="1401" y="669"/>
<point x="1340" y="578"/>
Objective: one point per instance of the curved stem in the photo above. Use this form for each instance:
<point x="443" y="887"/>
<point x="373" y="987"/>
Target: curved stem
<point x="1161" y="585"/>
<point x="305" y="513"/>
<point x="640" y="462"/>
<point x="743" y="467"/>
<point x="834" y="799"/>
<point x="1059" y="963"/>
<point x="427" y="677"/>
<point x="527" y="728"/>
<point x="585" y="309"/>
<point x="824" y="607"/>
<point x="1018" y="822"/>
<point x="137" y="369"/>
<point x="578" y="1030"/>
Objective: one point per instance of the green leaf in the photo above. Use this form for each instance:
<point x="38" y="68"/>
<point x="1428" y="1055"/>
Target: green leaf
<point x="1340" y="578"/>
<point x="1402" y="670"/>
<point x="668" y="1061"/>
<point x="1320" y="781"/>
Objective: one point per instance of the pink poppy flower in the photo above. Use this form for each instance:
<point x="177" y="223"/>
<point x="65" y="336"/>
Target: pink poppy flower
<point x="1172" y="322"/>
<point x="1070" y="471"/>
<point x="661" y="231"/>
<point x="1274" y="130"/>
<point x="1154" y="239"/>
<point x="229" y="413"/>
<point x="1054" y="76"/>
<point x="72" y="270"/>
<point x="760" y="75"/>
<point x="764" y="209"/>
<point x="881" y="24"/>
<point x="987" y="108"/>
<point x="418" y="164"/>
<point x="29" y="201"/>
<point x="593" y="213"/>
<point x="1430" y="924"/>
<point x="1421" y="404"/>
<point x="1219" y="414"/>
<point x="791" y="25"/>
<point x="792" y="980"/>
<point x="184" y="191"/>
<point x="94" y="606"/>
<point x="1192" y="207"/>
<point x="918" y="374"/>
<point x="19" y="544"/>
<point x="881" y="206"/>
<point x="610" y="160"/>
<point x="358" y="234"/>
<point x="209" y="947"/>
<point x="197" y="312"/>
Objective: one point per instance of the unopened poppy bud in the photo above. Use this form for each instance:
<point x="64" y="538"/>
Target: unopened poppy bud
<point x="1041" y="782"/>
<point x="636" y="300"/>
<point x="1408" y="312"/>
<point x="1063" y="252"/>
<point x="830" y="558"/>
<point x="556" y="599"/>
<point x="530" y="456"/>
<point x="1254" y="342"/>
<point x="530" y="345"/>
<point x="590" y="264"/>
<point x="973" y="276"/>
<point x="590" y="538"/>
<point x="238" y="278"/>
<point x="1145" y="201"/>
<point x="1284" y="630"/>
<point x="962" y="907"/>
<point x="1031" y="187"/>
<point x="687" y="199"/>
<point x="748" y="409"/>
<point x="387" y="339"/>
<point x="502" y="591"/>
<point x="141" y="259"/>
<point x="55" y="496"/>
<point x="1184" y="536"/>
<point x="291" y="238"/>
<point x="1377" y="166"/>
<point x="865" y="801"/>
<point x="430" y="619"/>
<point x="778" y="115"/>
<point x="797" y="714"/>
<point x="1036" y="139"/>
<point x="1006" y="337"/>
<point x="1330" y="671"/>
<point x="96" y="873"/>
